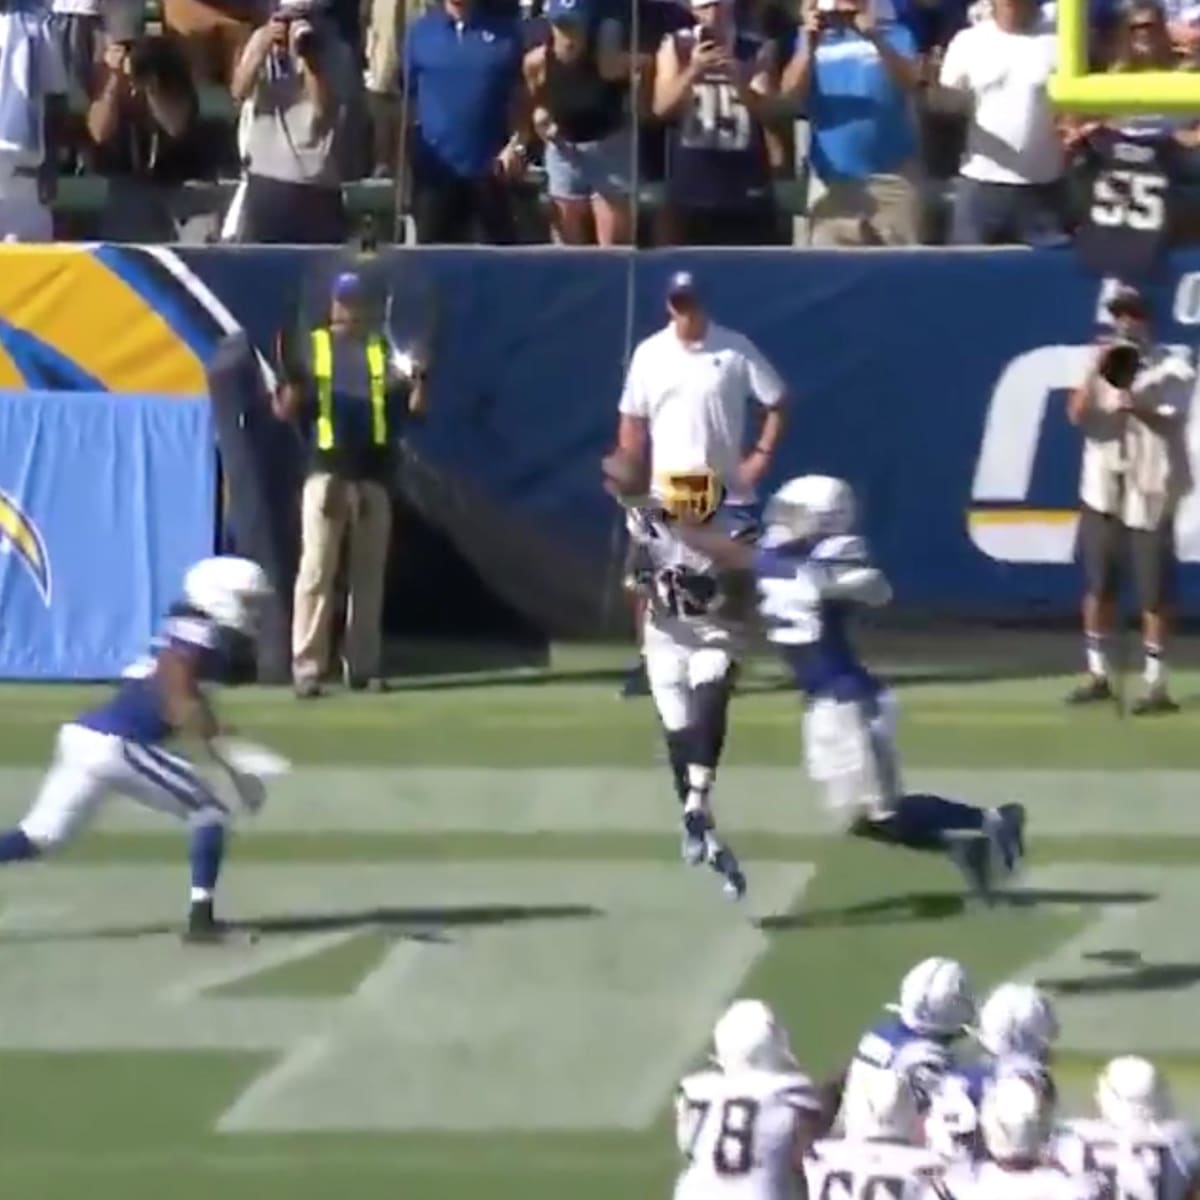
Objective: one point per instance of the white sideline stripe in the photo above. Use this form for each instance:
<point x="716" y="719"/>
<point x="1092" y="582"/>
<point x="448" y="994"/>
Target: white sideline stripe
<point x="639" y="800"/>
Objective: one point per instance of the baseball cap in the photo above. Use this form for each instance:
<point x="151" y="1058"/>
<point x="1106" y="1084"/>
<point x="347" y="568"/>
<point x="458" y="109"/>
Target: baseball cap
<point x="564" y="12"/>
<point x="682" y="283"/>
<point x="348" y="288"/>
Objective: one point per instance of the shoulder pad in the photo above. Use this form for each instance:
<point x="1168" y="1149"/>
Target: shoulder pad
<point x="842" y="549"/>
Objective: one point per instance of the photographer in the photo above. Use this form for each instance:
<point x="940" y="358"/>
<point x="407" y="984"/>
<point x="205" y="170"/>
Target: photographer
<point x="142" y="124"/>
<point x="297" y="75"/>
<point x="1131" y="409"/>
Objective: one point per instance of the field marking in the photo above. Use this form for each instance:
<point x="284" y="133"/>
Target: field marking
<point x="490" y="1024"/>
<point x="639" y="800"/>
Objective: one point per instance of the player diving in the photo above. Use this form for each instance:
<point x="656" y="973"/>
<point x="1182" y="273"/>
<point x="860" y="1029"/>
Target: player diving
<point x="692" y="637"/>
<point x="812" y="573"/>
<point x="117" y="747"/>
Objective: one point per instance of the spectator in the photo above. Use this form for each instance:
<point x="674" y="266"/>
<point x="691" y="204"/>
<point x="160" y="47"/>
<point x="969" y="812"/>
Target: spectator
<point x="718" y="87"/>
<point x="857" y="77"/>
<point x="1010" y="185"/>
<point x="296" y="74"/>
<point x="143" y="130"/>
<point x="470" y="118"/>
<point x="578" y="80"/>
<point x="386" y="32"/>
<point x="212" y="33"/>
<point x="33" y="86"/>
<point x="346" y="391"/>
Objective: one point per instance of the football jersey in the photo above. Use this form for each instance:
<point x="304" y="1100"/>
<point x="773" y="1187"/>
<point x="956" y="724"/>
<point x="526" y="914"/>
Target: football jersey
<point x="717" y="150"/>
<point x="136" y="711"/>
<point x="1129" y="188"/>
<point x="1157" y="1163"/>
<point x="992" y="1181"/>
<point x="812" y="633"/>
<point x="689" y="601"/>
<point x="845" y="1169"/>
<point x="892" y="1046"/>
<point x="736" y="1131"/>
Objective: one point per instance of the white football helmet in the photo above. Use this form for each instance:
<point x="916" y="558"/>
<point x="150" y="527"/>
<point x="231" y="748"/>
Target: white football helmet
<point x="1015" y="1119"/>
<point x="806" y="507"/>
<point x="748" y="1035"/>
<point x="1131" y="1093"/>
<point x="880" y="1104"/>
<point x="229" y="590"/>
<point x="936" y="998"/>
<point x="1017" y="1019"/>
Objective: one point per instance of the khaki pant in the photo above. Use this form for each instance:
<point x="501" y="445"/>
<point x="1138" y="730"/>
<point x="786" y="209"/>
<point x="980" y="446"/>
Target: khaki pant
<point x="329" y="507"/>
<point x="880" y="210"/>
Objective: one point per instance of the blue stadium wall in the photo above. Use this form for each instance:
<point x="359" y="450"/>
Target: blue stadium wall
<point x="935" y="381"/>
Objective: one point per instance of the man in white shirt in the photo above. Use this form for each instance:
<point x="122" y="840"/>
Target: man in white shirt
<point x="1010" y="181"/>
<point x="685" y="405"/>
<point x="33" y="87"/>
<point x="1133" y="417"/>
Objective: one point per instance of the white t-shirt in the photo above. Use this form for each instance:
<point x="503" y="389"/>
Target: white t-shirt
<point x="31" y="68"/>
<point x="694" y="398"/>
<point x="1012" y="136"/>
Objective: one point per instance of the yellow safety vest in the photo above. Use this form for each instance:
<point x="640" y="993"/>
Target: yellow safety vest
<point x="322" y="347"/>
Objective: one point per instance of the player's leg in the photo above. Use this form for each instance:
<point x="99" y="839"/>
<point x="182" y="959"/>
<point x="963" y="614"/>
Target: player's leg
<point x="1153" y="555"/>
<point x="73" y="788"/>
<point x="710" y="679"/>
<point x="1100" y="546"/>
<point x="169" y="783"/>
<point x="667" y="674"/>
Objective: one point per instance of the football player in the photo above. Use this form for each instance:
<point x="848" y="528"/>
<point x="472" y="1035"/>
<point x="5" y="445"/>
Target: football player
<point x="915" y="1042"/>
<point x="1137" y="1145"/>
<point x="1017" y="1029"/>
<point x="878" y="1155"/>
<point x="118" y="746"/>
<point x="744" y="1125"/>
<point x="692" y="636"/>
<point x="1015" y="1119"/>
<point x="812" y="573"/>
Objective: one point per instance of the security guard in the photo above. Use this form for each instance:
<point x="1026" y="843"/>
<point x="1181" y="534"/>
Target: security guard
<point x="351" y="396"/>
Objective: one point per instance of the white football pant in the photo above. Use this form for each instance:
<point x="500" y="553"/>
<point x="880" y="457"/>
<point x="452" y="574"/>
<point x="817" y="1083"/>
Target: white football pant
<point x="89" y="766"/>
<point x="850" y="750"/>
<point x="673" y="671"/>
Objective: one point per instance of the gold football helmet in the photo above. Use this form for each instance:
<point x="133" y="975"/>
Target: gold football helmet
<point x="688" y="495"/>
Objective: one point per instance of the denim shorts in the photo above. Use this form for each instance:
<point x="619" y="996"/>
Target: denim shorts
<point x="581" y="170"/>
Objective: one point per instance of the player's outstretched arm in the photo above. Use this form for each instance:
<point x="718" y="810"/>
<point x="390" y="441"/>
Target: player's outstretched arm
<point x="727" y="554"/>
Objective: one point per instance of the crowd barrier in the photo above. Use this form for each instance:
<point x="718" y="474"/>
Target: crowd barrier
<point x="934" y="380"/>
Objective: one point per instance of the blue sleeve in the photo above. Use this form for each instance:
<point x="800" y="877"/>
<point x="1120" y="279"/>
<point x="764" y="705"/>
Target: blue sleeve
<point x="901" y="40"/>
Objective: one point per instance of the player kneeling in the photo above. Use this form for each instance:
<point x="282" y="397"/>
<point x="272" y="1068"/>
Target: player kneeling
<point x="1137" y="1144"/>
<point x="878" y="1157"/>
<point x="117" y="747"/>
<point x="813" y="573"/>
<point x="1015" y="1119"/>
<point x="744" y="1125"/>
<point x="692" y="638"/>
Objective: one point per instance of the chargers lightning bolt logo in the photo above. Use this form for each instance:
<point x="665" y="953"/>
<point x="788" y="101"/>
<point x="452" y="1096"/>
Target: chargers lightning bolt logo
<point x="25" y="539"/>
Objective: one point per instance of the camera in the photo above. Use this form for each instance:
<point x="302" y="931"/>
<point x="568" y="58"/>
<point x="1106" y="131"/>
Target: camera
<point x="307" y="42"/>
<point x="1121" y="362"/>
<point x="836" y="18"/>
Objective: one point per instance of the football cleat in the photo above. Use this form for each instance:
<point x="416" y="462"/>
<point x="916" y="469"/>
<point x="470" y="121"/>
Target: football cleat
<point x="1010" y="836"/>
<point x="1093" y="690"/>
<point x="694" y="844"/>
<point x="1156" y="702"/>
<point x="202" y="927"/>
<point x="724" y="862"/>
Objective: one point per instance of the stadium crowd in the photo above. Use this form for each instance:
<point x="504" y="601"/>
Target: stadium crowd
<point x="668" y="122"/>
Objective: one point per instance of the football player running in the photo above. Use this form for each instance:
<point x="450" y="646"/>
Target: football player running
<point x="1137" y="1144"/>
<point x="117" y="747"/>
<point x="812" y="573"/>
<point x="744" y="1125"/>
<point x="692" y="637"/>
<point x="1015" y="1119"/>
<point x="878" y="1157"/>
<point x="1016" y="1031"/>
<point x="915" y="1041"/>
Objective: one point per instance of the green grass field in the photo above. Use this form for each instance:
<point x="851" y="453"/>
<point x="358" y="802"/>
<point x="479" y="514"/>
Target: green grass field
<point x="476" y="961"/>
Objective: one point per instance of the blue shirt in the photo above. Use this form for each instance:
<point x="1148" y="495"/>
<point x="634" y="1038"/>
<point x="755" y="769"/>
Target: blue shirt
<point x="135" y="711"/>
<point x="462" y="79"/>
<point x="862" y="121"/>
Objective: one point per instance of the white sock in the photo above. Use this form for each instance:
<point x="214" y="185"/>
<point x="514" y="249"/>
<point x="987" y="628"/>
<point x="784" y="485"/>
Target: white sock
<point x="1155" y="671"/>
<point x="699" y="783"/>
<point x="199" y="895"/>
<point x="1097" y="660"/>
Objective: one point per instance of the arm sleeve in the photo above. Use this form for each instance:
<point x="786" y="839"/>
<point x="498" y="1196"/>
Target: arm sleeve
<point x="634" y="400"/>
<point x="901" y="41"/>
<point x="765" y="384"/>
<point x="954" y="67"/>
